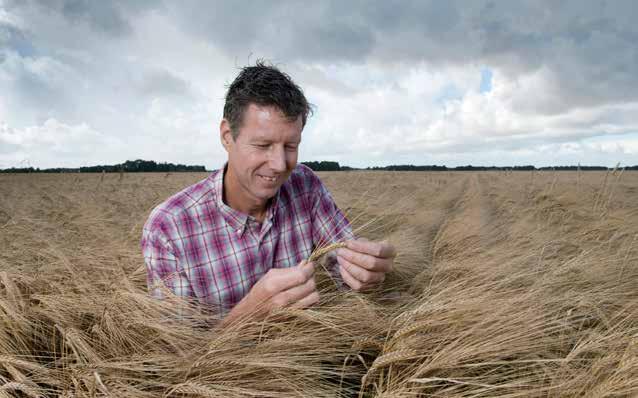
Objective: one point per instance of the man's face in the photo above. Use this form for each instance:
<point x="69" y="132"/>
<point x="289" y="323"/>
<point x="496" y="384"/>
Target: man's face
<point x="264" y="153"/>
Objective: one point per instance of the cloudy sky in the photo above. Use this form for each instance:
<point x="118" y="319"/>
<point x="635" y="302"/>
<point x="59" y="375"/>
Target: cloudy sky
<point x="393" y="82"/>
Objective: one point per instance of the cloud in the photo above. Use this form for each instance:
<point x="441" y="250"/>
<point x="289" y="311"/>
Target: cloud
<point x="160" y="82"/>
<point x="103" y="15"/>
<point x="54" y="144"/>
<point x="396" y="121"/>
<point x="586" y="46"/>
<point x="393" y="81"/>
<point x="110" y="18"/>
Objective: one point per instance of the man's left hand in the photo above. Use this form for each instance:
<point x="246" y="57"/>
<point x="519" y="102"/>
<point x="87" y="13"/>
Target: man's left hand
<point x="363" y="264"/>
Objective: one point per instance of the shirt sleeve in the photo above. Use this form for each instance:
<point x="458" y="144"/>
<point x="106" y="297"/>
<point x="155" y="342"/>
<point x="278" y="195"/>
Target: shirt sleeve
<point x="329" y="225"/>
<point x="163" y="270"/>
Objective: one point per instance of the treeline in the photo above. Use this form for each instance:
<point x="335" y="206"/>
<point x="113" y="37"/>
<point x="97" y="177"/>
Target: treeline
<point x="530" y="167"/>
<point x="410" y="167"/>
<point x="326" y="165"/>
<point x="494" y="168"/>
<point x="136" y="166"/>
<point x="130" y="166"/>
<point x="334" y="166"/>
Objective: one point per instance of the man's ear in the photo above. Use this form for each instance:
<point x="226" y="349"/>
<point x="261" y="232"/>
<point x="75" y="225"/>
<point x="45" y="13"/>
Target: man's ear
<point x="226" y="134"/>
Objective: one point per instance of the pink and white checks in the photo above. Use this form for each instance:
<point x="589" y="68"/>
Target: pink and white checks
<point x="199" y="247"/>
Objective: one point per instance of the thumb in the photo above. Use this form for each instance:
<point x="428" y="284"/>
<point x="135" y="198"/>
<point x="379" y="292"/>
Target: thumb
<point x="307" y="267"/>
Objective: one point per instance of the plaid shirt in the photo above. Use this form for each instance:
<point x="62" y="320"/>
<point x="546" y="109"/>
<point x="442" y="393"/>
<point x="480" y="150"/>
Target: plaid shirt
<point x="199" y="247"/>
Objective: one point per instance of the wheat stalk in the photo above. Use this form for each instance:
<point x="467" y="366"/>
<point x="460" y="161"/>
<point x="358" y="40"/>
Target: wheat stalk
<point x="318" y="253"/>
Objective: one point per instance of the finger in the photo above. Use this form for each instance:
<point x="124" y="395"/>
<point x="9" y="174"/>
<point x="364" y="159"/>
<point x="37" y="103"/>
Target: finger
<point x="366" y="261"/>
<point x="306" y="267"/>
<point x="309" y="268"/>
<point x="351" y="281"/>
<point x="307" y="301"/>
<point x="294" y="294"/>
<point x="383" y="249"/>
<point x="361" y="274"/>
<point x="287" y="278"/>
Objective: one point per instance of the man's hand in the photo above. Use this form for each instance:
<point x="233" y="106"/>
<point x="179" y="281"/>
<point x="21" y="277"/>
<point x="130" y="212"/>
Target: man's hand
<point x="363" y="264"/>
<point x="283" y="287"/>
<point x="279" y="287"/>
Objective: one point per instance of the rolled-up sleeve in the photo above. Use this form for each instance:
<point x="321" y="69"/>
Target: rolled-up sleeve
<point x="163" y="269"/>
<point x="329" y="225"/>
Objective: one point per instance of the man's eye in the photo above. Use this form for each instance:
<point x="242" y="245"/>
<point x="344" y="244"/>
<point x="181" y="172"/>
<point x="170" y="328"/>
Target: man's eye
<point x="262" y="146"/>
<point x="291" y="148"/>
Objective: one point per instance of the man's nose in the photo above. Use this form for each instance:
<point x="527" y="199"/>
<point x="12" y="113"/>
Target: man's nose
<point x="278" y="160"/>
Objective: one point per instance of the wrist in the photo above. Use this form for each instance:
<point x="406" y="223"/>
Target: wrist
<point x="243" y="309"/>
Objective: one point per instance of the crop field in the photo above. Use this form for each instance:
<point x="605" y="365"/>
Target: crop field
<point x="507" y="284"/>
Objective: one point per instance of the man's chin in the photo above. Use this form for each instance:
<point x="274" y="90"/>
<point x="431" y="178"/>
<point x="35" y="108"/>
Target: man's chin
<point x="265" y="191"/>
<point x="265" y="194"/>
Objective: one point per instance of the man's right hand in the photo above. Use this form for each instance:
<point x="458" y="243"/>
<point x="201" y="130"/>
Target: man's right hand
<point x="279" y="287"/>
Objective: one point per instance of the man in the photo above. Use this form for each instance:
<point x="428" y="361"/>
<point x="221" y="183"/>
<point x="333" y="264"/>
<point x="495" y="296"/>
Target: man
<point x="239" y="240"/>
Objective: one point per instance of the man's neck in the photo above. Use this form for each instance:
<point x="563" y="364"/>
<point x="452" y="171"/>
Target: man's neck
<point x="233" y="197"/>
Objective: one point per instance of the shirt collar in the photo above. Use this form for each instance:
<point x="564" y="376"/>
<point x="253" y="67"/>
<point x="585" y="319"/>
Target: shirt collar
<point x="235" y="218"/>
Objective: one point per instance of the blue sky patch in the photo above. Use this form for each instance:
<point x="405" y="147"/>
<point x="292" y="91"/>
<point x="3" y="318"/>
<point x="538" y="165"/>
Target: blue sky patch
<point x="486" y="80"/>
<point x="448" y="92"/>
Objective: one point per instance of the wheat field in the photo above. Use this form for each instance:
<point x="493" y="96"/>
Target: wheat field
<point x="507" y="284"/>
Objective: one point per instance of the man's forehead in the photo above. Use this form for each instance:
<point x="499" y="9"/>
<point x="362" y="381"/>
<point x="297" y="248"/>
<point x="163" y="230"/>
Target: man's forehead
<point x="269" y="112"/>
<point x="266" y="122"/>
<point x="265" y="113"/>
<point x="266" y="137"/>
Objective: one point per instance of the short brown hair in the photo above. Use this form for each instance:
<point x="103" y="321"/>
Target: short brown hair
<point x="264" y="85"/>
